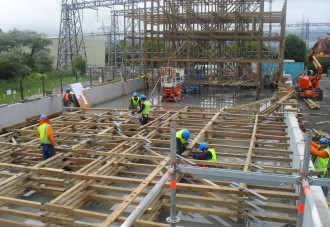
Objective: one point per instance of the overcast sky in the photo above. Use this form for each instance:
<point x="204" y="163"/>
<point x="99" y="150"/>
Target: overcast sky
<point x="44" y="15"/>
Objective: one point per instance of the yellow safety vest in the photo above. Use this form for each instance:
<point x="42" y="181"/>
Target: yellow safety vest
<point x="43" y="138"/>
<point x="135" y="103"/>
<point x="146" y="110"/>
<point x="322" y="163"/>
<point x="214" y="155"/>
<point x="179" y="135"/>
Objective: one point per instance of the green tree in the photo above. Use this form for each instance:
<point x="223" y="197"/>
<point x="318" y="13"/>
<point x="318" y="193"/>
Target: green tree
<point x="79" y="64"/>
<point x="28" y="49"/>
<point x="295" y="48"/>
<point x="23" y="52"/>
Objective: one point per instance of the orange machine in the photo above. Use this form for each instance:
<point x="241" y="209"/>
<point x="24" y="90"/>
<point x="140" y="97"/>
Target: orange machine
<point x="322" y="47"/>
<point x="171" y="82"/>
<point x="309" y="85"/>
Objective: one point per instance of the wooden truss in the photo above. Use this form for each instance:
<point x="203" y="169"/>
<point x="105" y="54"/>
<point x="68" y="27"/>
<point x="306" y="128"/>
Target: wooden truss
<point x="106" y="163"/>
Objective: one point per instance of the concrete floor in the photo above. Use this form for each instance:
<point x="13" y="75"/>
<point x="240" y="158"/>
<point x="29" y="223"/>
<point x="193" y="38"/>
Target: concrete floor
<point x="209" y="98"/>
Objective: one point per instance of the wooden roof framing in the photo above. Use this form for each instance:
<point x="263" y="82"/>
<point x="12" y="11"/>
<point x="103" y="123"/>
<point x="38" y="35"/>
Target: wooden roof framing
<point x="114" y="162"/>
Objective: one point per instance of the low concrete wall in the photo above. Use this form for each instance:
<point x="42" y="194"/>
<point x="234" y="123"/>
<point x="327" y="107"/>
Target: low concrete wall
<point x="19" y="112"/>
<point x="112" y="91"/>
<point x="297" y="145"/>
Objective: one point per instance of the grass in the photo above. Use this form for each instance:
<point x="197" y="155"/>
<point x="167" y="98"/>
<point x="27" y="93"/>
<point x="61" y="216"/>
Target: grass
<point x="32" y="87"/>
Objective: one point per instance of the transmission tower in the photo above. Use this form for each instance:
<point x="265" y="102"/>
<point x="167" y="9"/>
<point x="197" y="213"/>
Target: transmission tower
<point x="305" y="29"/>
<point x="114" y="58"/>
<point x="132" y="41"/>
<point x="71" y="40"/>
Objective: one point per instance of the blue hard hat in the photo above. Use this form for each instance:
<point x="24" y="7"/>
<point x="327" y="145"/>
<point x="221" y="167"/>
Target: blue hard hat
<point x="143" y="97"/>
<point x="203" y="146"/>
<point x="42" y="117"/>
<point x="67" y="89"/>
<point x="186" y="134"/>
<point x="135" y="94"/>
<point x="324" y="141"/>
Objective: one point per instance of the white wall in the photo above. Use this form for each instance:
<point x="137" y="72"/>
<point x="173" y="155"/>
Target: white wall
<point x="19" y="112"/>
<point x="95" y="51"/>
<point x="297" y="145"/>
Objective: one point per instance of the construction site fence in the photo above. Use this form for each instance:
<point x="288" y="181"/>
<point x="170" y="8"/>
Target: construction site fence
<point x="30" y="87"/>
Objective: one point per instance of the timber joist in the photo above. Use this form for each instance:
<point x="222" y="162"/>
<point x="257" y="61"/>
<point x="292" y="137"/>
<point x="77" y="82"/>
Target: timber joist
<point x="106" y="163"/>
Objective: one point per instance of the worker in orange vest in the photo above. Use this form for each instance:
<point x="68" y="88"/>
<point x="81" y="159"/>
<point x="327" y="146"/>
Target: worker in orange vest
<point x="45" y="134"/>
<point x="321" y="156"/>
<point x="67" y="98"/>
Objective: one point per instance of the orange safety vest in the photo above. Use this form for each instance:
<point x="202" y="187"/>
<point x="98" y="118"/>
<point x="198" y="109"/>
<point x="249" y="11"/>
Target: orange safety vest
<point x="66" y="97"/>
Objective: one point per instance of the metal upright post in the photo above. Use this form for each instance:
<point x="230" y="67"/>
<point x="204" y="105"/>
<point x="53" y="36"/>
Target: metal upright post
<point x="90" y="77"/>
<point x="304" y="174"/>
<point x="316" y="219"/>
<point x="102" y="75"/>
<point x="173" y="219"/>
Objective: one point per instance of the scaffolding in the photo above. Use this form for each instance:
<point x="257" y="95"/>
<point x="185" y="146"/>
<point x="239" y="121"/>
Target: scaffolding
<point x="106" y="163"/>
<point x="229" y="36"/>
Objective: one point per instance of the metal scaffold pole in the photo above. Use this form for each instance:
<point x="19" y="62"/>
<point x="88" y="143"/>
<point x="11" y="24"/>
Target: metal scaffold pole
<point x="173" y="219"/>
<point x="147" y="200"/>
<point x="155" y="190"/>
<point x="305" y="194"/>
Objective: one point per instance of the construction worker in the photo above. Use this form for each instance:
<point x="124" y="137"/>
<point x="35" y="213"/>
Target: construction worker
<point x="207" y="153"/>
<point x="182" y="138"/>
<point x="67" y="98"/>
<point x="144" y="110"/>
<point x="135" y="102"/>
<point x="45" y="134"/>
<point x="321" y="152"/>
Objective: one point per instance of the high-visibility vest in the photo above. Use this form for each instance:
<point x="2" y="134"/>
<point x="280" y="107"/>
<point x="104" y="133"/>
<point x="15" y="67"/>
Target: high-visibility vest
<point x="43" y="138"/>
<point x="66" y="97"/>
<point x="322" y="163"/>
<point x="135" y="103"/>
<point x="179" y="135"/>
<point x="214" y="155"/>
<point x="146" y="110"/>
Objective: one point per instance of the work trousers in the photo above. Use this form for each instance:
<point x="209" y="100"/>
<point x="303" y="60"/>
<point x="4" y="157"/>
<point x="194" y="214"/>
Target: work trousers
<point x="144" y="120"/>
<point x="180" y="147"/>
<point x="48" y="151"/>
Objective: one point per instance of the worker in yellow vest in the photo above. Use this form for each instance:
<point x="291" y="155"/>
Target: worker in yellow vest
<point x="182" y="138"/>
<point x="135" y="102"/>
<point x="45" y="134"/>
<point x="207" y="153"/>
<point x="321" y="154"/>
<point x="144" y="110"/>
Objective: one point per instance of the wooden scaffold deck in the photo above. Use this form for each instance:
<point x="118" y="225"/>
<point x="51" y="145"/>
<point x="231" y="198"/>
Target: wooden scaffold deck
<point x="106" y="163"/>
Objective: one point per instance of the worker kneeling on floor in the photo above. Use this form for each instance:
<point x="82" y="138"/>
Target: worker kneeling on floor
<point x="182" y="138"/>
<point x="45" y="134"/>
<point x="207" y="153"/>
<point x="321" y="154"/>
<point x="144" y="110"/>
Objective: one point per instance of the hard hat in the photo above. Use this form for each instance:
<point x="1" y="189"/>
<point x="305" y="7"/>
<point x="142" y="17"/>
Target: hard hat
<point x="186" y="134"/>
<point x="67" y="89"/>
<point x="135" y="94"/>
<point x="203" y="146"/>
<point x="143" y="97"/>
<point x="324" y="141"/>
<point x="42" y="117"/>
